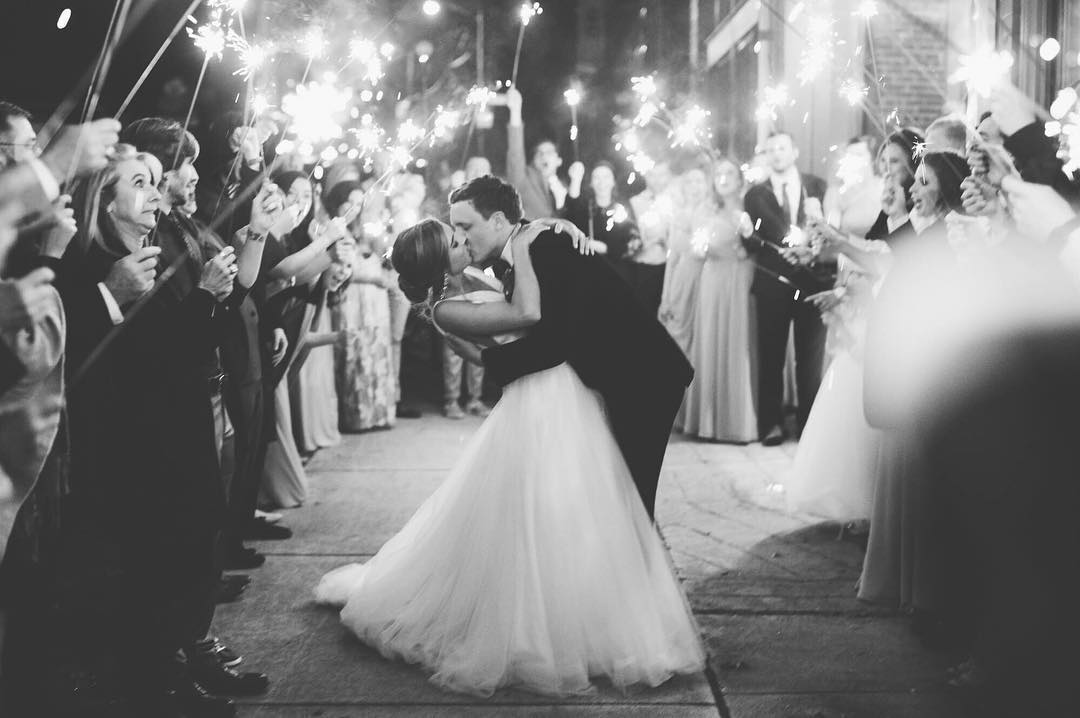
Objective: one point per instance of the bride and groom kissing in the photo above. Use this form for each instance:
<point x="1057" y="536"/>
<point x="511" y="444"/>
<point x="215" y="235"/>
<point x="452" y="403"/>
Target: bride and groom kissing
<point x="535" y="563"/>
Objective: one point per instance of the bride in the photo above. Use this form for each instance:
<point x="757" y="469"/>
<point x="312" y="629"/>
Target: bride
<point x="534" y="564"/>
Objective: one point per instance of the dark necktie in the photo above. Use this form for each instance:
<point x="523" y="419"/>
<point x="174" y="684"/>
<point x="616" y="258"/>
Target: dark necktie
<point x="504" y="272"/>
<point x="785" y="203"/>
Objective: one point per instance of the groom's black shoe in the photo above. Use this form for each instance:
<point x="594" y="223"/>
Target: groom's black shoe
<point x="775" y="437"/>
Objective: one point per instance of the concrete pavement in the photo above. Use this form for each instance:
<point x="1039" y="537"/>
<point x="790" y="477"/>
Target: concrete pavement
<point x="773" y="592"/>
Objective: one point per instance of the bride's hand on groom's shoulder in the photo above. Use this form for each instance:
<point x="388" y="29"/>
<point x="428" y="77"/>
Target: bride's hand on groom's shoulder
<point x="579" y="239"/>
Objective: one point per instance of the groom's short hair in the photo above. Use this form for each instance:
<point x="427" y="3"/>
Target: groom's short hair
<point x="489" y="195"/>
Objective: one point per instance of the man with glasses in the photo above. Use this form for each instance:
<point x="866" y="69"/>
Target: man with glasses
<point x="18" y="140"/>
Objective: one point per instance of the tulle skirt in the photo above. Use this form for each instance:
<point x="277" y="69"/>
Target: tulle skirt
<point x="836" y="462"/>
<point x="533" y="565"/>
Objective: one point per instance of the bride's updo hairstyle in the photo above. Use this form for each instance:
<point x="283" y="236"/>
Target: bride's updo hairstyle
<point x="420" y="256"/>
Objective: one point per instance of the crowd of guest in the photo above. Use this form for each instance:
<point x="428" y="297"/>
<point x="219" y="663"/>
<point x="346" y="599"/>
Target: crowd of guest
<point x="181" y="328"/>
<point x="184" y="322"/>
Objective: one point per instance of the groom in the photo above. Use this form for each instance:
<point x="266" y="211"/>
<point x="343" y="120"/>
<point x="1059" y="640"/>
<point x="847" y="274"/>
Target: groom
<point x="590" y="320"/>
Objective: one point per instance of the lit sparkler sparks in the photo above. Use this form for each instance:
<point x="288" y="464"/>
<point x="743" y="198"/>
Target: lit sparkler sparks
<point x="573" y="97"/>
<point x="252" y="57"/>
<point x="528" y="11"/>
<point x="772" y="98"/>
<point x="693" y="130"/>
<point x="646" y="113"/>
<point x="644" y="86"/>
<point x="210" y="38"/>
<point x="853" y="91"/>
<point x="362" y="50"/>
<point x="368" y="135"/>
<point x="820" y="46"/>
<point x="232" y="6"/>
<point x="314" y="109"/>
<point x="314" y="43"/>
<point x="983" y="70"/>
<point x="866" y="9"/>
<point x="446" y="121"/>
<point x="479" y="97"/>
<point x="408" y="132"/>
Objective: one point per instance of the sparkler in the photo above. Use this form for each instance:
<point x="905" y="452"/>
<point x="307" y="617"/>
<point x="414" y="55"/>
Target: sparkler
<point x="867" y="9"/>
<point x="210" y="38"/>
<point x="157" y="56"/>
<point x="252" y="57"/>
<point x="526" y="13"/>
<point x="693" y="130"/>
<point x="409" y="132"/>
<point x="644" y="86"/>
<point x="981" y="72"/>
<point x="573" y="98"/>
<point x="853" y="91"/>
<point x="772" y="98"/>
<point x="820" y="46"/>
<point x="313" y="110"/>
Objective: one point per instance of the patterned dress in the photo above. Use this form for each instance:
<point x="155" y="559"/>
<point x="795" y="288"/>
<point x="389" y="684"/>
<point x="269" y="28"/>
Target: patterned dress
<point x="364" y="362"/>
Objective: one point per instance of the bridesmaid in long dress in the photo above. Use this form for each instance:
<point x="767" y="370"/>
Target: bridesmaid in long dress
<point x="720" y="401"/>
<point x="364" y="363"/>
<point x="312" y="391"/>
<point x="284" y="483"/>
<point x="901" y="565"/>
<point x="694" y="212"/>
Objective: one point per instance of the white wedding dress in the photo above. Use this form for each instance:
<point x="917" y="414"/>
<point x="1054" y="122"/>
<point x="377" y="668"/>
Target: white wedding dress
<point x="533" y="565"/>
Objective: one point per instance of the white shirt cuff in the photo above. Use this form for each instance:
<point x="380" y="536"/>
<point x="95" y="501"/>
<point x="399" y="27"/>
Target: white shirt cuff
<point x="49" y="185"/>
<point x="115" y="314"/>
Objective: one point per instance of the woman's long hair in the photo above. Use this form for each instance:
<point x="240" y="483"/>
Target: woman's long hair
<point x="298" y="238"/>
<point x="950" y="169"/>
<point x="93" y="193"/>
<point x="421" y="258"/>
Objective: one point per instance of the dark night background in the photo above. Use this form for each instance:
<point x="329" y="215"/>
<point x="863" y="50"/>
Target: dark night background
<point x="596" y="43"/>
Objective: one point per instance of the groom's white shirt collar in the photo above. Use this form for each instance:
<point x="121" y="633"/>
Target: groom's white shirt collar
<point x="508" y="250"/>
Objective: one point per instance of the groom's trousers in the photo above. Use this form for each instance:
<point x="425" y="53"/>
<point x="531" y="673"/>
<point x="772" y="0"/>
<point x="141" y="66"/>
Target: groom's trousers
<point x="641" y="421"/>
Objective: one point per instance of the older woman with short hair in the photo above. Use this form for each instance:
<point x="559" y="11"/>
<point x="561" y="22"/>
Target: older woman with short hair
<point x="146" y="499"/>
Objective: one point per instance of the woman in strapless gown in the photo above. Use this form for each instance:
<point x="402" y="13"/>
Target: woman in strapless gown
<point x="534" y="564"/>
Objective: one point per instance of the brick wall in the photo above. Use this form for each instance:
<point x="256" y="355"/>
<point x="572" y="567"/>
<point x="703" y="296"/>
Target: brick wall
<point x="911" y="50"/>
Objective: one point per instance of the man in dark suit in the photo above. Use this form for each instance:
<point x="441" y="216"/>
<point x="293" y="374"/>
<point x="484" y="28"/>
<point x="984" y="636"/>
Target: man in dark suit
<point x="590" y="320"/>
<point x="776" y="206"/>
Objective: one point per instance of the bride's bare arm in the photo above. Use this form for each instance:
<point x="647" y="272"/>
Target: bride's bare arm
<point x="468" y="319"/>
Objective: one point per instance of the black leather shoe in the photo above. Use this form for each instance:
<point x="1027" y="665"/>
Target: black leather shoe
<point x="194" y="702"/>
<point x="228" y="590"/>
<point x="262" y="530"/>
<point x="212" y="646"/>
<point x="238" y="558"/>
<point x="775" y="437"/>
<point x="209" y="673"/>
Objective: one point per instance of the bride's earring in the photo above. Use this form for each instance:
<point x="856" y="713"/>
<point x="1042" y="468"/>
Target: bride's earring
<point x="445" y="285"/>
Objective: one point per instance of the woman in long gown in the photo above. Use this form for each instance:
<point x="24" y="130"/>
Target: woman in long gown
<point x="719" y="404"/>
<point x="364" y="365"/>
<point x="834" y="471"/>
<point x="693" y="214"/>
<point x="901" y="566"/>
<point x="311" y="384"/>
<point x="534" y="564"/>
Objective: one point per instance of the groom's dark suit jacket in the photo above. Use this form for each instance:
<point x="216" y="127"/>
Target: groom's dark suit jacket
<point x="591" y="320"/>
